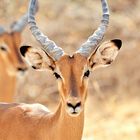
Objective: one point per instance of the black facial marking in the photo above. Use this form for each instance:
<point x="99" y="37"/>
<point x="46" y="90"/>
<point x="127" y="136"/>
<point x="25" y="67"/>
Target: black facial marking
<point x="117" y="42"/>
<point x="24" y="49"/>
<point x="70" y="105"/>
<point x="93" y="64"/>
<point x="3" y="48"/>
<point x="74" y="106"/>
<point x="109" y="62"/>
<point x="34" y="67"/>
<point x="51" y="68"/>
<point x="21" y="69"/>
<point x="78" y="104"/>
<point x="87" y="73"/>
<point x="57" y="75"/>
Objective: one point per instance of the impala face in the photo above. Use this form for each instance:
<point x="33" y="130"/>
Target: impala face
<point x="9" y="50"/>
<point x="72" y="72"/>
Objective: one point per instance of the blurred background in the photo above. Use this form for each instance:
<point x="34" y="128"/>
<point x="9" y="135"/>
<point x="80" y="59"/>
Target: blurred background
<point x="113" y="104"/>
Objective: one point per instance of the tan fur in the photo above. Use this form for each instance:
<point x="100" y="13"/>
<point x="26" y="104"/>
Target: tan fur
<point x="35" y="122"/>
<point x="10" y="61"/>
<point x="72" y="74"/>
<point x="25" y="122"/>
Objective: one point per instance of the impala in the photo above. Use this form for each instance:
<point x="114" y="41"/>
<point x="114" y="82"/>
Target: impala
<point x="11" y="61"/>
<point x="34" y="121"/>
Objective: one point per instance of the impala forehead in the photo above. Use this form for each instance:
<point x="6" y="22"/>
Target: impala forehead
<point x="6" y="39"/>
<point x="75" y="64"/>
<point x="3" y="44"/>
<point x="11" y="39"/>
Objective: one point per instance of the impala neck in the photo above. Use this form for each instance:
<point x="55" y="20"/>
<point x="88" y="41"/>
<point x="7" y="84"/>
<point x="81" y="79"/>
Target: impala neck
<point x="64" y="126"/>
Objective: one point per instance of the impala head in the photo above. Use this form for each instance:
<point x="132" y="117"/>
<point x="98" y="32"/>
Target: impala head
<point x="9" y="50"/>
<point x="71" y="72"/>
<point x="10" y="43"/>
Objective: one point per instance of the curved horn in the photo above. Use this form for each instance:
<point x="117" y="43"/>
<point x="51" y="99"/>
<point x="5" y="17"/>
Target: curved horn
<point x="2" y="30"/>
<point x="90" y="45"/>
<point x="47" y="45"/>
<point x="19" y="25"/>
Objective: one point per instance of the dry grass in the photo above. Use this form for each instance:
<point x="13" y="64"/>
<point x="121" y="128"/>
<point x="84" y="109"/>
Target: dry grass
<point x="112" y="109"/>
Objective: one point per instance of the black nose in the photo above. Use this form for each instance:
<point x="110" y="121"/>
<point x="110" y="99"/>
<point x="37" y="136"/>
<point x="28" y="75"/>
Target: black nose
<point x="21" y="69"/>
<point x="74" y="106"/>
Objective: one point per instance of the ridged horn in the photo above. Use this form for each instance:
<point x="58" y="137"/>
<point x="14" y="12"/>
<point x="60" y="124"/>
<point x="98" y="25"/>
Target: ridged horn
<point x="93" y="41"/>
<point x="19" y="25"/>
<point x="48" y="45"/>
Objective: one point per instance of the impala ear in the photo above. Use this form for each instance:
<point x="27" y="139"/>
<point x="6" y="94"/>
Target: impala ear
<point x="105" y="54"/>
<point x="37" y="58"/>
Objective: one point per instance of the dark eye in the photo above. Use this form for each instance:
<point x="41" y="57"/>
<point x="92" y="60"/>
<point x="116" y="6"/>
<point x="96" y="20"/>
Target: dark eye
<point x="3" y="48"/>
<point x="57" y="75"/>
<point x="86" y="74"/>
